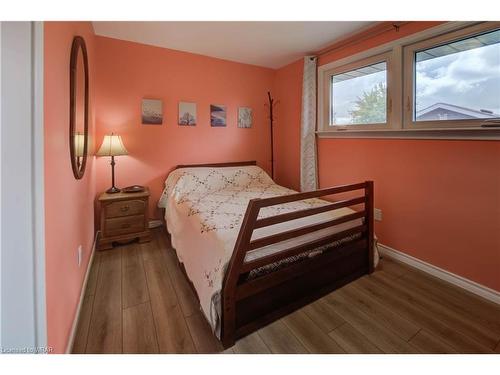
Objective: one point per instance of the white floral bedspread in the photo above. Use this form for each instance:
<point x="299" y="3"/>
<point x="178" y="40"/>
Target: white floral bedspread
<point x="204" y="208"/>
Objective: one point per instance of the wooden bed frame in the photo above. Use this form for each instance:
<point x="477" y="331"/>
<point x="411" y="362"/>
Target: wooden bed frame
<point x="248" y="305"/>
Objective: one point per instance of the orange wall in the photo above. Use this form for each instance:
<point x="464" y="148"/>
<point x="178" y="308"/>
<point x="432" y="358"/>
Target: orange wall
<point x="288" y="93"/>
<point x="440" y="199"/>
<point x="128" y="72"/>
<point x="69" y="220"/>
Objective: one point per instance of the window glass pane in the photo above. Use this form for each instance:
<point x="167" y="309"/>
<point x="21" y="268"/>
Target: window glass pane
<point x="359" y="96"/>
<point x="459" y="80"/>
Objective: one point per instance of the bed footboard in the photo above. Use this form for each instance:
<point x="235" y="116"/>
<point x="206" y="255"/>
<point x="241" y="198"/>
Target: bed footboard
<point x="248" y="304"/>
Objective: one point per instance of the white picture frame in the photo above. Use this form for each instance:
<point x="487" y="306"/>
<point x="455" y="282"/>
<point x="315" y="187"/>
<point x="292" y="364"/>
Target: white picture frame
<point x="187" y="114"/>
<point x="245" y="117"/>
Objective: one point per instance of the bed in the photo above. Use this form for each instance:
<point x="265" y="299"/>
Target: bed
<point x="254" y="251"/>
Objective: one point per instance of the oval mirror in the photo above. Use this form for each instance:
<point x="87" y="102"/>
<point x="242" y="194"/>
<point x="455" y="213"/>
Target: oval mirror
<point x="79" y="106"/>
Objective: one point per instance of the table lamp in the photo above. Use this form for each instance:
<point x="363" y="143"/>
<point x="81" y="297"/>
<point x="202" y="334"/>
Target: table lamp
<point x="112" y="145"/>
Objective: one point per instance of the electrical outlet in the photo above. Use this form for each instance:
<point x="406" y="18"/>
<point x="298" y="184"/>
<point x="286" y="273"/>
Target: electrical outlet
<point x="377" y="214"/>
<point x="80" y="253"/>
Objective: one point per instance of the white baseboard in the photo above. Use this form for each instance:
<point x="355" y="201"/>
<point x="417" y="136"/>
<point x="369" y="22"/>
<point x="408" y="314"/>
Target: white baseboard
<point x="69" y="347"/>
<point x="462" y="282"/>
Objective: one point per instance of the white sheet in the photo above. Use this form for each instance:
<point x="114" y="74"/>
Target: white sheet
<point x="203" y="212"/>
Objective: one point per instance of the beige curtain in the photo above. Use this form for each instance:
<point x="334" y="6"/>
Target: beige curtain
<point x="308" y="154"/>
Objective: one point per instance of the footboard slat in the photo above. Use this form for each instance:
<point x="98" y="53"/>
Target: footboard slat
<point x="307" y="212"/>
<point x="283" y="236"/>
<point x="273" y="201"/>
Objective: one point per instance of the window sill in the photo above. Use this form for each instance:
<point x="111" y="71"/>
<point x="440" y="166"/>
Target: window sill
<point x="444" y="134"/>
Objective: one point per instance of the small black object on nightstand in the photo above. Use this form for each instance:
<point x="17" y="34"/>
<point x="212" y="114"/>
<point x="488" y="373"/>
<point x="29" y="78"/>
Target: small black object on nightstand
<point x="133" y="189"/>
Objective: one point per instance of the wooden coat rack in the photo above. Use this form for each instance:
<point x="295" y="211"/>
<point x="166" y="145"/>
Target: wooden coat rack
<point x="271" y="119"/>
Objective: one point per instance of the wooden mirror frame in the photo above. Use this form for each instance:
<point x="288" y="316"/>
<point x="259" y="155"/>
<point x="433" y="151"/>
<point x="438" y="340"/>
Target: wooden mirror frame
<point x="78" y="43"/>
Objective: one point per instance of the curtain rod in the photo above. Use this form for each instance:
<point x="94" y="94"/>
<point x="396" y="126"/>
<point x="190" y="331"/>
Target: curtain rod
<point x="361" y="36"/>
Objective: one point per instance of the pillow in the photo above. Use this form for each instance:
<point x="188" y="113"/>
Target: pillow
<point x="203" y="180"/>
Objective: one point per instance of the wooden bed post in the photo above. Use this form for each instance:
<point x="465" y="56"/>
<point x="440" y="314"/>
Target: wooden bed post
<point x="228" y="328"/>
<point x="369" y="222"/>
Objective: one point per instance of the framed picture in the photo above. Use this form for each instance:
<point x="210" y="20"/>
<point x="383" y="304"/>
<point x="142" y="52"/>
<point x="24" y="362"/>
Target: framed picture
<point x="152" y="111"/>
<point x="217" y="115"/>
<point x="244" y="117"/>
<point x="187" y="114"/>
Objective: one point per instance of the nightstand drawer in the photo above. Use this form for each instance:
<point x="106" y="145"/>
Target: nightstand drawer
<point x="125" y="208"/>
<point x="124" y="225"/>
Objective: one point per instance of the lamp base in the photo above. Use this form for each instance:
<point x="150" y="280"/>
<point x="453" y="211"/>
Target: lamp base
<point x="113" y="190"/>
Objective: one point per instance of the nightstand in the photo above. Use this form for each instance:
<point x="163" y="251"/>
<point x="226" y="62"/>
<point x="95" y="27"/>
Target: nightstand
<point x="123" y="218"/>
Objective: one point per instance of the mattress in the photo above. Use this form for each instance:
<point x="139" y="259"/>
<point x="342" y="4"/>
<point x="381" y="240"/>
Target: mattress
<point x="204" y="208"/>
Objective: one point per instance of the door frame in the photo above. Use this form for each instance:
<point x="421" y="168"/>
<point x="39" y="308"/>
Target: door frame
<point x="22" y="222"/>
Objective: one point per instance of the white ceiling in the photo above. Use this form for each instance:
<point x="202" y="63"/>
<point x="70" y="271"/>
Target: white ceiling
<point x="268" y="44"/>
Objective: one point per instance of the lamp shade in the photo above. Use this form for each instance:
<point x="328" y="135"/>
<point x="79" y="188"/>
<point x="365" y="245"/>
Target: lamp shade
<point x="112" y="145"/>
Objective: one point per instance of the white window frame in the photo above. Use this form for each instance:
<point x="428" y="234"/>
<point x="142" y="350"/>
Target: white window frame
<point x="396" y="117"/>
<point x="327" y="86"/>
<point x="409" y="84"/>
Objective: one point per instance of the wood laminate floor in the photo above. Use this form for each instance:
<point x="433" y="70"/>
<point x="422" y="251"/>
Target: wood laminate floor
<point x="138" y="301"/>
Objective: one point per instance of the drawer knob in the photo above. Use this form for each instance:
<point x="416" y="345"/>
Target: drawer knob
<point x="124" y="208"/>
<point x="126" y="225"/>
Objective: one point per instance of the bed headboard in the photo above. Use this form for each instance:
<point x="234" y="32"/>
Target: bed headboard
<point x="230" y="164"/>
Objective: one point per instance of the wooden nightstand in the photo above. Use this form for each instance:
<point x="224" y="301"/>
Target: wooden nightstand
<point x="123" y="218"/>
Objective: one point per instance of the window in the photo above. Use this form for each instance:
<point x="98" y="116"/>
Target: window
<point x="358" y="94"/>
<point x="456" y="80"/>
<point x="443" y="82"/>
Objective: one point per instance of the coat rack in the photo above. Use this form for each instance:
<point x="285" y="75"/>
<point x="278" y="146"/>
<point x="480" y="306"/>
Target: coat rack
<point x="271" y="119"/>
